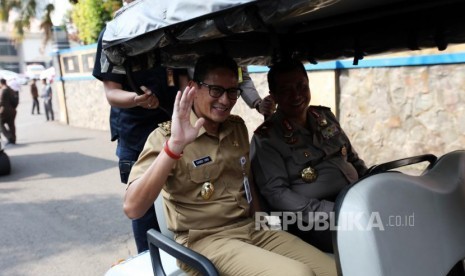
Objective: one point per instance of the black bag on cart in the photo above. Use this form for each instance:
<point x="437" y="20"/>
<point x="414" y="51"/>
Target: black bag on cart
<point x="5" y="167"/>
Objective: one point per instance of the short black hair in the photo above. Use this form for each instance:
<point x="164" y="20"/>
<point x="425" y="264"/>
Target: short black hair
<point x="283" y="66"/>
<point x="209" y="62"/>
<point x="3" y="81"/>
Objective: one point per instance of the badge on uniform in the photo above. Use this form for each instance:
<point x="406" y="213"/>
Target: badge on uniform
<point x="330" y="131"/>
<point x="322" y="122"/>
<point x="320" y="119"/>
<point x="207" y="190"/>
<point x="309" y="174"/>
<point x="202" y="161"/>
<point x="289" y="133"/>
<point x="165" y="127"/>
<point x="344" y="151"/>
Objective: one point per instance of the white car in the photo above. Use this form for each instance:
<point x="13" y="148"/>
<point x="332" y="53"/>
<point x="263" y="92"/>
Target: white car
<point x="14" y="80"/>
<point x="33" y="71"/>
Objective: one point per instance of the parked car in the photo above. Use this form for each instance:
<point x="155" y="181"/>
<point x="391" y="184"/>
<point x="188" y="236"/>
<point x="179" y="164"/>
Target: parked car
<point x="33" y="71"/>
<point x="14" y="80"/>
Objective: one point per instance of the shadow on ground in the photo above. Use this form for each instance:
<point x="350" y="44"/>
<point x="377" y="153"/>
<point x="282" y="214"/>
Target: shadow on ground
<point x="35" y="232"/>
<point x="55" y="165"/>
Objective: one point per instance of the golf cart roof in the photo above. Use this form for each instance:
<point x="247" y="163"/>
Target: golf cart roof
<point x="258" y="31"/>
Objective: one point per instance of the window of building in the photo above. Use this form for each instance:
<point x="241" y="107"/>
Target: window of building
<point x="7" y="48"/>
<point x="12" y="66"/>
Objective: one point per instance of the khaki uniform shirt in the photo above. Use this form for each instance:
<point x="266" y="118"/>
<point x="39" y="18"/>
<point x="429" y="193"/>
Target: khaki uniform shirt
<point x="207" y="159"/>
<point x="280" y="150"/>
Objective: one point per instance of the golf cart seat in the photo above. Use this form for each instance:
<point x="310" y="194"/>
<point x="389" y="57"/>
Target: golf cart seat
<point x="392" y="223"/>
<point x="162" y="242"/>
<point x="163" y="252"/>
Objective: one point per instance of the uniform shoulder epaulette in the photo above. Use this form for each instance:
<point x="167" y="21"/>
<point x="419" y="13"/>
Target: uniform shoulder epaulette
<point x="318" y="110"/>
<point x="321" y="107"/>
<point x="165" y="128"/>
<point x="263" y="129"/>
<point x="235" y="118"/>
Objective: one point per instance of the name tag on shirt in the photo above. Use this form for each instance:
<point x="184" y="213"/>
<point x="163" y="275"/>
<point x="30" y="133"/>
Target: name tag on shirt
<point x="202" y="161"/>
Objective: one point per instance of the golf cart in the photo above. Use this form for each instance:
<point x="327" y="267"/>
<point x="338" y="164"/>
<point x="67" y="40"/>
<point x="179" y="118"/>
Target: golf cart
<point x="258" y="32"/>
<point x="5" y="166"/>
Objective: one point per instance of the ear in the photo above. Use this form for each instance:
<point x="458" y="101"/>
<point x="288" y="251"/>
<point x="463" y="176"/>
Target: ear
<point x="191" y="83"/>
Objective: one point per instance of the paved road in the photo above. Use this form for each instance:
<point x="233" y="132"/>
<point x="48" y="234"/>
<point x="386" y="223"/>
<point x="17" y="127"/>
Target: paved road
<point x="61" y="208"/>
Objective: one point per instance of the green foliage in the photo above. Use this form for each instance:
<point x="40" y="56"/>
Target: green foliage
<point x="4" y="11"/>
<point x="90" y="16"/>
<point x="26" y="9"/>
<point x="46" y="23"/>
<point x="6" y="6"/>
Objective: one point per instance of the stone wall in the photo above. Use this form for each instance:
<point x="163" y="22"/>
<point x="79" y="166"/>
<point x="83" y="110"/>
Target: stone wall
<point x="392" y="113"/>
<point x="86" y="104"/>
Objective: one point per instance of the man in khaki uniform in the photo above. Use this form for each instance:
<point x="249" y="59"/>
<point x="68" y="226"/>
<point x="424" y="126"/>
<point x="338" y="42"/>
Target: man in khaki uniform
<point x="199" y="162"/>
<point x="301" y="157"/>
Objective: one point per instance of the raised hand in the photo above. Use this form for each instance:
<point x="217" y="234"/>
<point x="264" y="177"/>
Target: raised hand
<point x="267" y="106"/>
<point x="182" y="131"/>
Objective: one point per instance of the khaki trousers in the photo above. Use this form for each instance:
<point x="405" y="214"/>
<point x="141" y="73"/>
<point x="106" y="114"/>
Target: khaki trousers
<point x="241" y="250"/>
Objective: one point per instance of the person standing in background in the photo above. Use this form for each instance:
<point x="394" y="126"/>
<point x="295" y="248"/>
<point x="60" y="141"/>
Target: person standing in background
<point x="35" y="97"/>
<point x="133" y="117"/>
<point x="7" y="112"/>
<point x="47" y="97"/>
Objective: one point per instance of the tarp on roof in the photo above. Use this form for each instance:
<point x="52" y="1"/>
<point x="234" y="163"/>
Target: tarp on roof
<point x="145" y="25"/>
<point x="176" y="32"/>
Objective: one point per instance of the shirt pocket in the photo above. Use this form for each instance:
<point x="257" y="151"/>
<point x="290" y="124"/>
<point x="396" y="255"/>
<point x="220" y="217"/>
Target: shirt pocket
<point x="198" y="176"/>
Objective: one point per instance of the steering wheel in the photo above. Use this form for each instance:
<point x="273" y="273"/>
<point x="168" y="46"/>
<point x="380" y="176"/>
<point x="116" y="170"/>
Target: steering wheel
<point x="401" y="163"/>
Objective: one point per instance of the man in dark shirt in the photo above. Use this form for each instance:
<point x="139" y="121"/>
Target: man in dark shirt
<point x="133" y="117"/>
<point x="7" y="112"/>
<point x="35" y="97"/>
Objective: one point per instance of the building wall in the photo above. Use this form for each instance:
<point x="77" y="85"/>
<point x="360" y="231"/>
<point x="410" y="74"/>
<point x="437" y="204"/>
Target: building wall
<point x="9" y="54"/>
<point x="30" y="50"/>
<point x="86" y="104"/>
<point x="15" y="57"/>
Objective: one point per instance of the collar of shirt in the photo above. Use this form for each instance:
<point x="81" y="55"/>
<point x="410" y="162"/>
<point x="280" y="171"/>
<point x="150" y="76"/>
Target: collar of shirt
<point x="225" y="127"/>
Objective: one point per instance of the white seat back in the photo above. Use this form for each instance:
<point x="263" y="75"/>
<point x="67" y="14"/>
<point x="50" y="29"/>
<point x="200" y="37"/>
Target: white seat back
<point x="406" y="225"/>
<point x="159" y="210"/>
